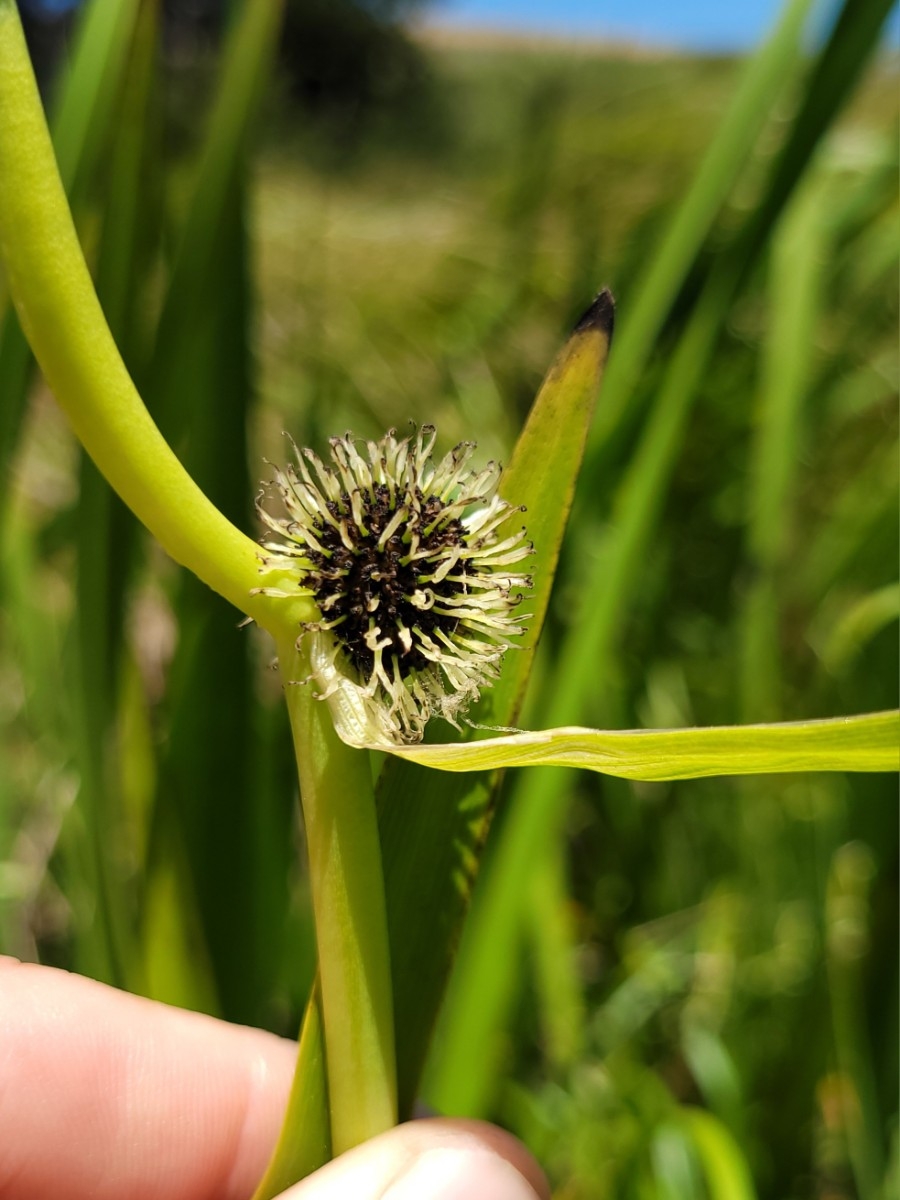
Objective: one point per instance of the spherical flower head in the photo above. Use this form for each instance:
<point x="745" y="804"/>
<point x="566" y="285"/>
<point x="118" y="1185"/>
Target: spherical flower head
<point x="410" y="562"/>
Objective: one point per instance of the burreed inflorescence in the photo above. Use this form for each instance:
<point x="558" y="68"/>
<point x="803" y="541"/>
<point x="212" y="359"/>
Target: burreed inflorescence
<point x="409" y="561"/>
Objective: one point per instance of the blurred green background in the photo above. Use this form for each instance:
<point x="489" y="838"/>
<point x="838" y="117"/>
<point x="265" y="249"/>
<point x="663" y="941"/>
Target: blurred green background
<point x="316" y="221"/>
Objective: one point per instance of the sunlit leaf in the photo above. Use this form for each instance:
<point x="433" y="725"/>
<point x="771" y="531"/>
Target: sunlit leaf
<point x="870" y="742"/>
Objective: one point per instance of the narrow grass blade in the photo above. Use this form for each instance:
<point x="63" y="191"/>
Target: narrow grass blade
<point x="856" y="625"/>
<point x="551" y="934"/>
<point x="848" y="922"/>
<point x="132" y="215"/>
<point x="855" y="514"/>
<point x="88" y="97"/>
<point x="674" y="1163"/>
<point x="853" y="40"/>
<point x="191" y="289"/>
<point x="789" y="350"/>
<point x="174" y="964"/>
<point x="765" y="75"/>
<point x="79" y="125"/>
<point x="541" y="477"/>
<point x="724" y="1166"/>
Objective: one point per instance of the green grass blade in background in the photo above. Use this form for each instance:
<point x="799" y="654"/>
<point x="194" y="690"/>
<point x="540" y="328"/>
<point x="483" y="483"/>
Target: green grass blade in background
<point x="174" y="963"/>
<point x="551" y="931"/>
<point x="674" y="1166"/>
<point x="796" y="278"/>
<point x="132" y="216"/>
<point x="714" y="1069"/>
<point x="848" y="928"/>
<point x="724" y="1166"/>
<point x="841" y="642"/>
<point x="765" y="76"/>
<point x="854" y="515"/>
<point x="79" y="127"/>
<point x="37" y="805"/>
<point x="245" y="67"/>
<point x="87" y="101"/>
<point x="854" y="39"/>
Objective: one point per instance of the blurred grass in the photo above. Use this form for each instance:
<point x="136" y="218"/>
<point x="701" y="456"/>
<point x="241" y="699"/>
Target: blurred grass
<point x="700" y="996"/>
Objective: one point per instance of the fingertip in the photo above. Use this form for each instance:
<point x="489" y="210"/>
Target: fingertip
<point x="506" y="1146"/>
<point x="176" y="1104"/>
<point x="435" y="1159"/>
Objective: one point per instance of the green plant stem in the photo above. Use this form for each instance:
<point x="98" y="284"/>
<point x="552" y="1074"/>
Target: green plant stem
<point x="52" y="290"/>
<point x="348" y="901"/>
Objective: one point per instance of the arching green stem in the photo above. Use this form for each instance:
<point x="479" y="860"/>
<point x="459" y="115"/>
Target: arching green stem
<point x="52" y="290"/>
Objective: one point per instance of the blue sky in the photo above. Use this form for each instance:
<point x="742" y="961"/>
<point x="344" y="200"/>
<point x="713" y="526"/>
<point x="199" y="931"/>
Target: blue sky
<point x="693" y="24"/>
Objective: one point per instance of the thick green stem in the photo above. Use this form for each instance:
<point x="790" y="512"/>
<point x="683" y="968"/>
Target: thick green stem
<point x="351" y="926"/>
<point x="51" y="287"/>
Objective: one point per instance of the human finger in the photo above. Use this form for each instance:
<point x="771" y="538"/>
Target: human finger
<point x="436" y="1159"/>
<point x="107" y="1095"/>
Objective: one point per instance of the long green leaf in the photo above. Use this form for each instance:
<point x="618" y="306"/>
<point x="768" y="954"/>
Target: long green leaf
<point x="870" y="742"/>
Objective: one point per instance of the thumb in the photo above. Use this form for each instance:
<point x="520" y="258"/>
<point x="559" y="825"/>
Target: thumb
<point x="430" y="1160"/>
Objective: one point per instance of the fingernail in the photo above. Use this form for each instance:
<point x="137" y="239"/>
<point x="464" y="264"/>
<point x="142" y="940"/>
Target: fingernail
<point x="455" y="1173"/>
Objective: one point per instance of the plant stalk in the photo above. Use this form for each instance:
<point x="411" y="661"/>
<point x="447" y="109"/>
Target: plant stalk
<point x="348" y="902"/>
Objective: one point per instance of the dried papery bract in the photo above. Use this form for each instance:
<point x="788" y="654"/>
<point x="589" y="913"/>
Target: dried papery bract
<point x="411" y="563"/>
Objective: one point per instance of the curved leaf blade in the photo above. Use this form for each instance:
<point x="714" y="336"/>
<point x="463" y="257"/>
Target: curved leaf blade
<point x="867" y="742"/>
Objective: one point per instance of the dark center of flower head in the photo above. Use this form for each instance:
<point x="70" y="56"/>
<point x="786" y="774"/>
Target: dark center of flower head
<point x="375" y="579"/>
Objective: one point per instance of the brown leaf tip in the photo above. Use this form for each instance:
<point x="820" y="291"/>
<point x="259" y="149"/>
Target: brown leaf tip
<point x="601" y="315"/>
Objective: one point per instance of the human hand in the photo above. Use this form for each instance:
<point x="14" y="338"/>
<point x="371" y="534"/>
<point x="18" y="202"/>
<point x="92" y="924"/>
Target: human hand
<point x="114" y="1097"/>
